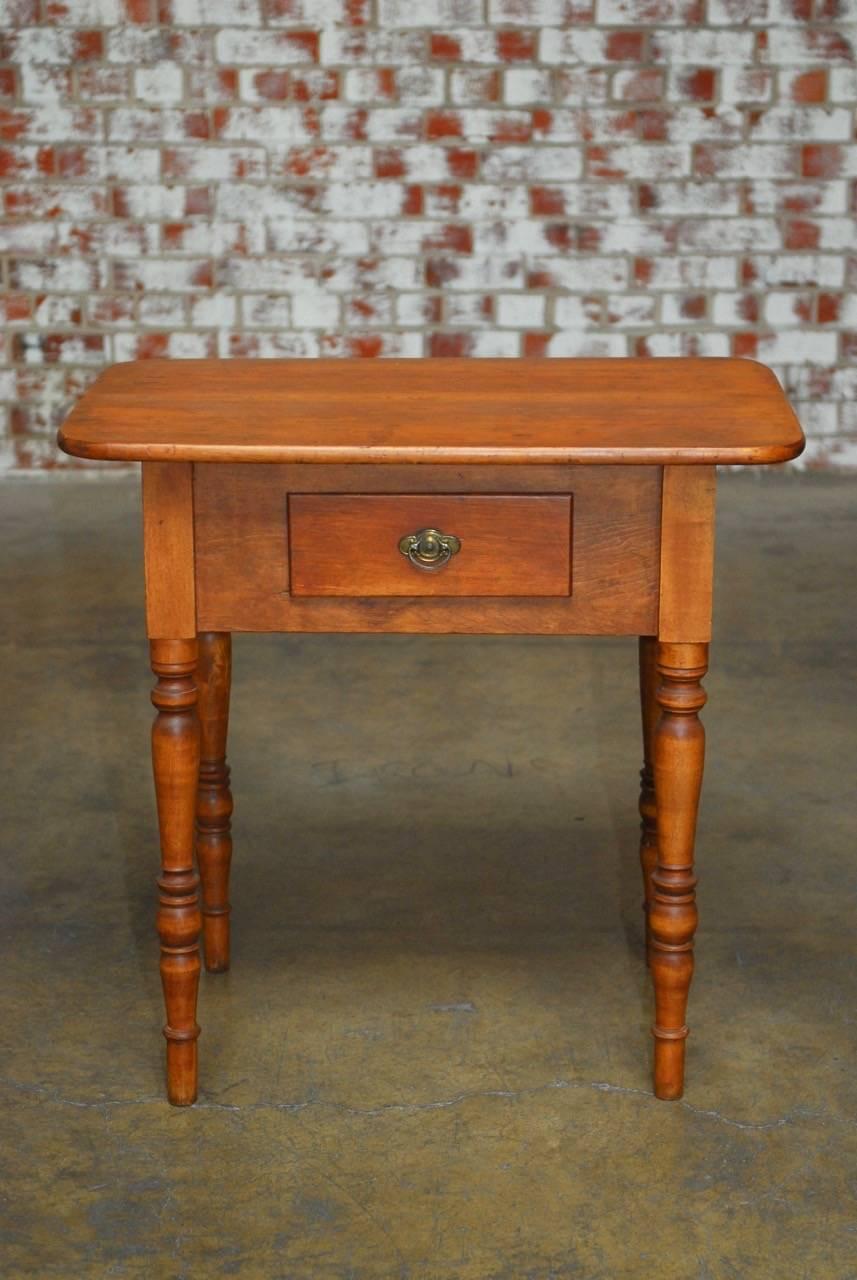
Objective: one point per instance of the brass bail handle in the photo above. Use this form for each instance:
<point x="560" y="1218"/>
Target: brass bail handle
<point x="429" y="549"/>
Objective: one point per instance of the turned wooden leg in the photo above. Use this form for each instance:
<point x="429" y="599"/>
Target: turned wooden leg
<point x="175" y="761"/>
<point x="679" y="751"/>
<point x="214" y="799"/>
<point x="648" y="825"/>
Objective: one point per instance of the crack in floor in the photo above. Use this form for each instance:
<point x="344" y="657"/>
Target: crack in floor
<point x="441" y="1104"/>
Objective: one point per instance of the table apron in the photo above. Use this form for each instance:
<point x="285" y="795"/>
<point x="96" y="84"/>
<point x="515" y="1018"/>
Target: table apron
<point x="242" y="561"/>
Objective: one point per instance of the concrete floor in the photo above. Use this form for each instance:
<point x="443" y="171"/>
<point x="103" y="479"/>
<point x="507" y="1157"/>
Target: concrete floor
<point x="431" y="1057"/>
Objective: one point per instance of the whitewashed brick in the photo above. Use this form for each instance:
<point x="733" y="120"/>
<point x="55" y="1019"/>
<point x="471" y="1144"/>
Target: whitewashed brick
<point x="520" y="310"/>
<point x="699" y="343"/>
<point x="729" y="309"/>
<point x="429" y="13"/>
<point x="697" y="199"/>
<point x="570" y="342"/>
<point x="162" y="311"/>
<point x="807" y="124"/>
<point x="171" y="197"/>
<point x="414" y="309"/>
<point x="261" y="48"/>
<point x="215" y="13"/>
<point x="662" y="13"/>
<point x="799" y="269"/>
<point x="798" y="346"/>
<point x="738" y="13"/>
<point x="341" y="46"/>
<point x="746" y="85"/>
<point x="739" y="233"/>
<point x="525" y="85"/>
<point x="580" y="313"/>
<point x="631" y="311"/>
<point x="528" y="13"/>
<point x="649" y="163"/>
<point x="262" y="124"/>
<point x="272" y="346"/>
<point x="88" y="13"/>
<point x="533" y="164"/>
<point x="42" y="84"/>
<point x="162" y="83"/>
<point x="267" y="312"/>
<point x="703" y="48"/>
<point x="843" y="84"/>
<point x="693" y="272"/>
<point x="317" y="236"/>
<point x="813" y="197"/>
<point x="316" y="310"/>
<point x="584" y="274"/>
<point x="495" y="344"/>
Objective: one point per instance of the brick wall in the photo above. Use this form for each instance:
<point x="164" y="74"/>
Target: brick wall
<point x="427" y="178"/>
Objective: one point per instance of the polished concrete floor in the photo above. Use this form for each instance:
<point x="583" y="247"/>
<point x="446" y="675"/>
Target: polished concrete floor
<point x="431" y="1057"/>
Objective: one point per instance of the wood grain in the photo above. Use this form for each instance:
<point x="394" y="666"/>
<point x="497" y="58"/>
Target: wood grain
<point x="214" y="797"/>
<point x="679" y="753"/>
<point x="647" y="660"/>
<point x="168" y="549"/>
<point x="175" y="764"/>
<point x="242" y="553"/>
<point x="520" y="412"/>
<point x="687" y="554"/>
<point x="348" y="544"/>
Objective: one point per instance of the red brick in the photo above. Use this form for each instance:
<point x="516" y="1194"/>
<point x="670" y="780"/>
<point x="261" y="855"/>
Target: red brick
<point x="443" y="124"/>
<point x="454" y="237"/>
<point x="547" y="202"/>
<point x="462" y="162"/>
<point x="625" y="46"/>
<point x="699" y="85"/>
<point x="829" y="306"/>
<point x="821" y="160"/>
<point x="516" y="46"/>
<point x="444" y="48"/>
<point x="88" y="45"/>
<point x="801" y="235"/>
<point x="412" y="201"/>
<point x="389" y="162"/>
<point x="315" y="85"/>
<point x="694" y="306"/>
<point x="810" y="87"/>
<point x="272" y="85"/>
<point x="439" y="271"/>
<point x="536" y="344"/>
<point x="450" y="344"/>
<point x="745" y="344"/>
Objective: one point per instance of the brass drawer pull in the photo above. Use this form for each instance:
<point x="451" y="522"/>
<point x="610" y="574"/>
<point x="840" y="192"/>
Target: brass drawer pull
<point x="429" y="549"/>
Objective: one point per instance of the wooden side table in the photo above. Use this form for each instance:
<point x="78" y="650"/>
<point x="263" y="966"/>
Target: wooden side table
<point x="563" y="497"/>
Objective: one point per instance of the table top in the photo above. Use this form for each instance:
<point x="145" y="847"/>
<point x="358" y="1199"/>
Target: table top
<point x="661" y="411"/>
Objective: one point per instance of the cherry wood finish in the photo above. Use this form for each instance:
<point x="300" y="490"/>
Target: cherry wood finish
<point x="348" y="544"/>
<point x="168" y="550"/>
<point x="214" y="798"/>
<point x="175" y="763"/>
<point x="522" y="412"/>
<point x="347" y="457"/>
<point x="648" y="656"/>
<point x="679" y="751"/>
<point x="242" y="562"/>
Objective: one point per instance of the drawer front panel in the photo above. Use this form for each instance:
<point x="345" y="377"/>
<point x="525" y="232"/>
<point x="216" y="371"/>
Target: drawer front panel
<point x="504" y="544"/>
<point x="243" y="562"/>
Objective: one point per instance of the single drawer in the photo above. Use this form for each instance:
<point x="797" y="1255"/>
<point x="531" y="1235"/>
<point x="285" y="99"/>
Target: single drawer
<point x="421" y="544"/>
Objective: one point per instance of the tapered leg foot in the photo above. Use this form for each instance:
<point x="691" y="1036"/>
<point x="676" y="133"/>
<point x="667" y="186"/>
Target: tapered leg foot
<point x="648" y="823"/>
<point x="175" y="761"/>
<point x="214" y="799"/>
<point x="679" y="752"/>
